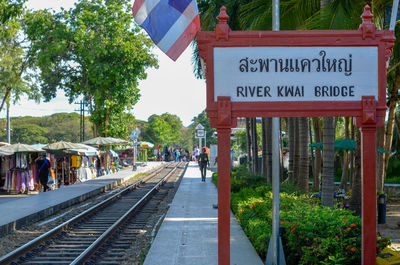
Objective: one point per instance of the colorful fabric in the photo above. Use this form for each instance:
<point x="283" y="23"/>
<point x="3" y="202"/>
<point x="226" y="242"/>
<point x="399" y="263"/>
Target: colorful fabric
<point x="171" y="24"/>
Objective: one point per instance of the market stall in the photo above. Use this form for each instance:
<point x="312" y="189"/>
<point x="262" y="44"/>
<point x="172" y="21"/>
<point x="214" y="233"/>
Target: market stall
<point x="143" y="146"/>
<point x="18" y="169"/>
<point x="61" y="162"/>
<point x="104" y="145"/>
<point x="84" y="162"/>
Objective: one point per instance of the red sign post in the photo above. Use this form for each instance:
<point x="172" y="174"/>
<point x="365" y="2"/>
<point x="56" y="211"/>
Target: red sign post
<point x="318" y="73"/>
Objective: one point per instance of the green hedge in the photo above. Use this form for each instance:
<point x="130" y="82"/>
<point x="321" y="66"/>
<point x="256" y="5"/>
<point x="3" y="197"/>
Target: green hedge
<point x="313" y="234"/>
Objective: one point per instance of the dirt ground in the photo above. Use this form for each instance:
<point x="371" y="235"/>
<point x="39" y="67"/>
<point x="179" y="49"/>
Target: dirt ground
<point x="392" y="227"/>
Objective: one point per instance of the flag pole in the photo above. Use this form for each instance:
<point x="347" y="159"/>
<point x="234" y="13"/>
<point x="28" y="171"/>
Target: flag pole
<point x="275" y="253"/>
<point x="393" y="17"/>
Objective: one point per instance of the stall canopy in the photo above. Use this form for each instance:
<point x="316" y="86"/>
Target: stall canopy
<point x="6" y="150"/>
<point x="3" y="143"/>
<point x="85" y="150"/>
<point x="61" y="146"/>
<point x="145" y="145"/>
<point x="38" y="145"/>
<point x="20" y="148"/>
<point x="345" y="144"/>
<point x="105" y="141"/>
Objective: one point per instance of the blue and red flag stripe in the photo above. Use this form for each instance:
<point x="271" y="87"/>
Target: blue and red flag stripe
<point x="171" y="24"/>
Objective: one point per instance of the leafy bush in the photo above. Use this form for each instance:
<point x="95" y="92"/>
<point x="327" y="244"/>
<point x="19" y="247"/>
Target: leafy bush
<point x="313" y="234"/>
<point x="392" y="174"/>
<point x="241" y="178"/>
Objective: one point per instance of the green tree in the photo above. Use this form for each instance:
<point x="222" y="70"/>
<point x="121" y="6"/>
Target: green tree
<point x="15" y="77"/>
<point x="10" y="9"/>
<point x="187" y="138"/>
<point x="29" y="133"/>
<point x="93" y="51"/>
<point x="56" y="127"/>
<point x="176" y="126"/>
<point x="122" y="125"/>
<point x="163" y="130"/>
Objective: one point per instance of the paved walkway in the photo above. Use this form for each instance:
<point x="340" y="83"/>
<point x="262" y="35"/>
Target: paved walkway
<point x="189" y="232"/>
<point x="22" y="210"/>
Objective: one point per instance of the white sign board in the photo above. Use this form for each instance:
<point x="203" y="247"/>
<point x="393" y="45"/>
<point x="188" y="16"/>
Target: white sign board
<point x="199" y="127"/>
<point x="200" y="133"/>
<point x="273" y="74"/>
<point x="134" y="134"/>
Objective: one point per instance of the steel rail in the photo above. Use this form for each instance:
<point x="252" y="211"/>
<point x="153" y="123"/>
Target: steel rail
<point x="101" y="239"/>
<point x="42" y="238"/>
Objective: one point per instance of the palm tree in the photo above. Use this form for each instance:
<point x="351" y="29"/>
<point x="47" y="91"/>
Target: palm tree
<point x="303" y="150"/>
<point x="296" y="160"/>
<point x="249" y="143"/>
<point x="318" y="155"/>
<point x="355" y="200"/>
<point x="292" y="151"/>
<point x="328" y="158"/>
<point x="393" y="86"/>
<point x="254" y="145"/>
<point x="267" y="148"/>
<point x="346" y="160"/>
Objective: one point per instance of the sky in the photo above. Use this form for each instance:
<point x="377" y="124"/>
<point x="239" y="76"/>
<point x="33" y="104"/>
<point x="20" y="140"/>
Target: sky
<point x="171" y="88"/>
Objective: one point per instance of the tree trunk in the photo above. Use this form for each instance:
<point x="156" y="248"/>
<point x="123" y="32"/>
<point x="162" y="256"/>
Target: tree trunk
<point x="264" y="130"/>
<point x="355" y="200"/>
<point x="352" y="156"/>
<point x="106" y="121"/>
<point x="328" y="162"/>
<point x="8" y="91"/>
<point x="267" y="148"/>
<point x="304" y="160"/>
<point x="397" y="123"/>
<point x="248" y="141"/>
<point x="254" y="145"/>
<point x="323" y="3"/>
<point x="345" y="171"/>
<point x="318" y="155"/>
<point x="310" y="137"/>
<point x="296" y="161"/>
<point x="380" y="141"/>
<point x="291" y="129"/>
<point x="345" y="168"/>
<point x="390" y="125"/>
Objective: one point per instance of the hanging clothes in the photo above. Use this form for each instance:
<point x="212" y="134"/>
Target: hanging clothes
<point x="76" y="161"/>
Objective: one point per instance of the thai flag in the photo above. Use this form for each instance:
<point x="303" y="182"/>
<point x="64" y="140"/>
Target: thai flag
<point x="171" y="24"/>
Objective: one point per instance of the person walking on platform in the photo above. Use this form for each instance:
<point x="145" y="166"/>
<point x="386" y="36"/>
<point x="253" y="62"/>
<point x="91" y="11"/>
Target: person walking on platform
<point x="203" y="162"/>
<point x="43" y="166"/>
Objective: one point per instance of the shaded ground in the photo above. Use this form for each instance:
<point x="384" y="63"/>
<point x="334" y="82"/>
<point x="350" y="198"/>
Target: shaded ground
<point x="392" y="227"/>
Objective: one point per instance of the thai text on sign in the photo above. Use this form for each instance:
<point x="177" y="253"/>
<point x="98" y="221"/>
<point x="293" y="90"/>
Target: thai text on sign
<point x="295" y="73"/>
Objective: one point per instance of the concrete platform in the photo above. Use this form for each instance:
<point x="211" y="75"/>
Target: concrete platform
<point x="21" y="210"/>
<point x="189" y="232"/>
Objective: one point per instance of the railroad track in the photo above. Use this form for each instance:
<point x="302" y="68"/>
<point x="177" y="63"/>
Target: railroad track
<point x="101" y="234"/>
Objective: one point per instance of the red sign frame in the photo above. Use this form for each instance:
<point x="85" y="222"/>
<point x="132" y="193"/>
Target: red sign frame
<point x="369" y="112"/>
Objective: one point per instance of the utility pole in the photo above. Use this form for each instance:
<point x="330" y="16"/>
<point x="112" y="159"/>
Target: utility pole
<point x="82" y="119"/>
<point x="8" y="124"/>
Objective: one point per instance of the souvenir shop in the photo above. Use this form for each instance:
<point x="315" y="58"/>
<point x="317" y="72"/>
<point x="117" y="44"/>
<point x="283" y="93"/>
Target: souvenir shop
<point x="19" y="173"/>
<point x="74" y="165"/>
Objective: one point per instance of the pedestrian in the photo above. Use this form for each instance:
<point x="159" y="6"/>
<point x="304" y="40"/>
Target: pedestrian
<point x="98" y="166"/>
<point x="44" y="167"/>
<point x="166" y="153"/>
<point x="203" y="162"/>
<point x="197" y="153"/>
